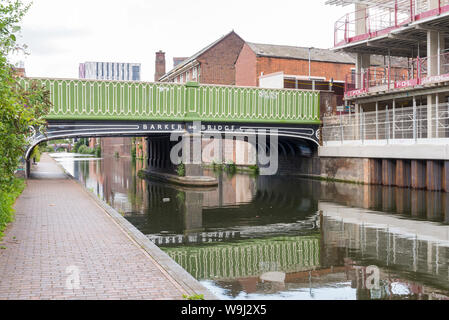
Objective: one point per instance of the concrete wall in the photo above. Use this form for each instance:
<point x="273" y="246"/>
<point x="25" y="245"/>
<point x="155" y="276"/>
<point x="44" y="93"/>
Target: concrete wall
<point x="272" y="81"/>
<point x="437" y="151"/>
<point x="348" y="169"/>
<point x="431" y="175"/>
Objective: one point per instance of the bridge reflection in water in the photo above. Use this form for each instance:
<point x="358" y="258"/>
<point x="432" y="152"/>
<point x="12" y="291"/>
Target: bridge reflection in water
<point x="320" y="236"/>
<point x="249" y="258"/>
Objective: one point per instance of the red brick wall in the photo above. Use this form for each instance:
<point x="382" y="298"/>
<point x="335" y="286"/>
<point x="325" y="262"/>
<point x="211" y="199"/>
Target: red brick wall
<point x="141" y="148"/>
<point x="218" y="64"/>
<point x="246" y="68"/>
<point x="337" y="71"/>
<point x="111" y="145"/>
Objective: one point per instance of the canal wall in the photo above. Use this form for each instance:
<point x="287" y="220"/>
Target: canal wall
<point x="424" y="167"/>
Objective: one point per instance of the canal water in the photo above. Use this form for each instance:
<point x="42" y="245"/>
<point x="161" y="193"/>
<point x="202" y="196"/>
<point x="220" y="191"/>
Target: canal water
<point x="285" y="237"/>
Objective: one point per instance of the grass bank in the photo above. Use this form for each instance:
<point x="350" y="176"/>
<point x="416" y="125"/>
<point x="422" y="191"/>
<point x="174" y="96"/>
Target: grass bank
<point x="8" y="197"/>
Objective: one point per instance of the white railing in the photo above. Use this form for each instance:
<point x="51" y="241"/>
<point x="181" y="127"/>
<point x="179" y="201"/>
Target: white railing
<point x="390" y="125"/>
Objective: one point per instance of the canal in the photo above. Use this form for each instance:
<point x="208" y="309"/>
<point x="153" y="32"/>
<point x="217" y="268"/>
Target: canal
<point x="283" y="237"/>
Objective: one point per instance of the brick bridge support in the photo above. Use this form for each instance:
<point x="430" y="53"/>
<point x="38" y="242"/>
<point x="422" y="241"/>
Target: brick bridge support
<point x="159" y="150"/>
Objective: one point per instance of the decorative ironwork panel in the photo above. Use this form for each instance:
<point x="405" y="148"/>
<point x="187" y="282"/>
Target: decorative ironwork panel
<point x="120" y="100"/>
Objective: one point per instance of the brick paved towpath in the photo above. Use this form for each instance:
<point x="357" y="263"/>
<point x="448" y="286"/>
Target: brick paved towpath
<point x="61" y="232"/>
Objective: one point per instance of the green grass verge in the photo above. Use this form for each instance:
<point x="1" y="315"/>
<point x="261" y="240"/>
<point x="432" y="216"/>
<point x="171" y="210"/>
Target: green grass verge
<point x="7" y="200"/>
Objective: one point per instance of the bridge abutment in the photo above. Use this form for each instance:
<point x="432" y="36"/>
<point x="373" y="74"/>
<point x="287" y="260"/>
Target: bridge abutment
<point x="28" y="168"/>
<point x="192" y="154"/>
<point x="165" y="158"/>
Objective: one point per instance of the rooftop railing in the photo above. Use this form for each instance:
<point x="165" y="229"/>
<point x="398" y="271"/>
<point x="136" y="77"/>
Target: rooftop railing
<point x="382" y="18"/>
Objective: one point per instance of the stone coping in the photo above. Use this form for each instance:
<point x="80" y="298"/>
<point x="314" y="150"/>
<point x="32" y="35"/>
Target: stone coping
<point x="189" y="181"/>
<point x="179" y="274"/>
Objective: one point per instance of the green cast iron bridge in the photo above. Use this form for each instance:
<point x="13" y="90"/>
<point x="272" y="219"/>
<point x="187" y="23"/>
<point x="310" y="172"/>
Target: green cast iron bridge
<point x="98" y="108"/>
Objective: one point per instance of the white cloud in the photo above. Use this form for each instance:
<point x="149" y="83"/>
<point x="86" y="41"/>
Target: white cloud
<point x="63" y="33"/>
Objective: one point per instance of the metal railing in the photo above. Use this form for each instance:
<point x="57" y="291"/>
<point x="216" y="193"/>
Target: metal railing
<point x="390" y="125"/>
<point x="80" y="99"/>
<point x="407" y="73"/>
<point x="381" y="18"/>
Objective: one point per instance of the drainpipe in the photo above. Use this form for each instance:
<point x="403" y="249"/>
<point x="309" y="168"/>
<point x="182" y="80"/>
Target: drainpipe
<point x="310" y="58"/>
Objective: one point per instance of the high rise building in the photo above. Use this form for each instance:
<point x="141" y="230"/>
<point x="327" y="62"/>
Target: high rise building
<point x="110" y="71"/>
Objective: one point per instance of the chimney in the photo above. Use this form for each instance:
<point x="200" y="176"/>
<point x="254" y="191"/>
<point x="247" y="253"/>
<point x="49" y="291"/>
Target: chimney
<point x="160" y="65"/>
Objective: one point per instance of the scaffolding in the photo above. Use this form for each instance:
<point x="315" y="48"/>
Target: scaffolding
<point x="375" y="18"/>
<point x="398" y="75"/>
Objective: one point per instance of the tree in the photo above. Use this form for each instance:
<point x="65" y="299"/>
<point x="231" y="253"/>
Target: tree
<point x="20" y="108"/>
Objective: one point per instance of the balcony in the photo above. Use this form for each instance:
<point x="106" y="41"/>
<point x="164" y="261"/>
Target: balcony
<point x="408" y="74"/>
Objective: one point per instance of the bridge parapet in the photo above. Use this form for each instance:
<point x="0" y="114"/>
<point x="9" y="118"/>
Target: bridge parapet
<point x="75" y="99"/>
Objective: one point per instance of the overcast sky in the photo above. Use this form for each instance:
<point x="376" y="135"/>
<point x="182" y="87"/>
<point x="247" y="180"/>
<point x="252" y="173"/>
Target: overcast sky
<point x="62" y="33"/>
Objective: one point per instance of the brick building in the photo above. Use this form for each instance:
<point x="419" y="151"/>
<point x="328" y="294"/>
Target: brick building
<point x="256" y="60"/>
<point x="215" y="64"/>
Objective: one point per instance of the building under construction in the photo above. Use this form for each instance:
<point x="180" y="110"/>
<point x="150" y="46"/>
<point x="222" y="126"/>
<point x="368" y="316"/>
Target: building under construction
<point x="400" y="119"/>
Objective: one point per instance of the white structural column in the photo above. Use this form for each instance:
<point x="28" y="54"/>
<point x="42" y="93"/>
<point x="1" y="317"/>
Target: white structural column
<point x="356" y="130"/>
<point x="363" y="62"/>
<point x="361" y="27"/>
<point x="435" y="46"/>
<point x="361" y="13"/>
<point x="393" y="125"/>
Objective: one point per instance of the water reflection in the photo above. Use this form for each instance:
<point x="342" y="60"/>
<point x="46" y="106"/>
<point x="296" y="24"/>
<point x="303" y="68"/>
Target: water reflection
<point x="283" y="237"/>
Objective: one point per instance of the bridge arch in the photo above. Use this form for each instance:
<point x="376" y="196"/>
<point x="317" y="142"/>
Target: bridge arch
<point x="96" y="108"/>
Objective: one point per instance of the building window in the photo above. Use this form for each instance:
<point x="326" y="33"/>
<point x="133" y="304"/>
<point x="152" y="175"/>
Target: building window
<point x="181" y="78"/>
<point x="136" y="73"/>
<point x="195" y="73"/>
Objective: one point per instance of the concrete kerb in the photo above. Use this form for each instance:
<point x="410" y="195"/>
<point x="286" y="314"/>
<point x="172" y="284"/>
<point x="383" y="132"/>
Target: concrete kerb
<point x="179" y="274"/>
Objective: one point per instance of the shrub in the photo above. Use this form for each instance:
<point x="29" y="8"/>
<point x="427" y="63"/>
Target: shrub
<point x="181" y="170"/>
<point x="231" y="167"/>
<point x="133" y="152"/>
<point x="21" y="107"/>
<point x="255" y="169"/>
<point x="98" y="151"/>
<point x="83" y="149"/>
<point x="36" y="154"/>
<point x="194" y="297"/>
<point x="8" y="197"/>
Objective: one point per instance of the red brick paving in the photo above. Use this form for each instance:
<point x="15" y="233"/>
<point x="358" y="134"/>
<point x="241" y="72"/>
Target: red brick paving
<point x="57" y="226"/>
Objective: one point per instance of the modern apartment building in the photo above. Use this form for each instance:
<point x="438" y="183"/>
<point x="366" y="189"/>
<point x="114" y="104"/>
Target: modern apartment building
<point x="110" y="71"/>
